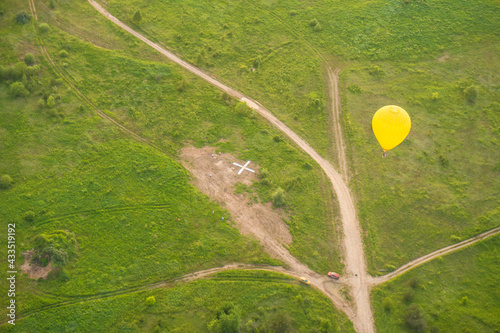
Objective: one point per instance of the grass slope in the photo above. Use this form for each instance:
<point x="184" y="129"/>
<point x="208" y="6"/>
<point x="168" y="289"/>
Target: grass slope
<point x="261" y="296"/>
<point x="456" y="293"/>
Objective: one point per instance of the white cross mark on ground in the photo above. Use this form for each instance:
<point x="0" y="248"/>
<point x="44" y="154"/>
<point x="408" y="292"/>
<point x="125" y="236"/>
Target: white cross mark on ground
<point x="243" y="167"/>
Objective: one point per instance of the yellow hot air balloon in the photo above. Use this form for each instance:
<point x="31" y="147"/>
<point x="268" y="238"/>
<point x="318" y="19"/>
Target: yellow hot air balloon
<point x="391" y="124"/>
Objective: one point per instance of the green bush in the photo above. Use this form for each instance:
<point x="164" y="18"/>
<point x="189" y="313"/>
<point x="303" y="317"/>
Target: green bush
<point x="150" y="300"/>
<point x="29" y="216"/>
<point x="17" y="89"/>
<point x="63" y="54"/>
<point x="51" y="102"/>
<point x="313" y="23"/>
<point x="137" y="17"/>
<point x="471" y="93"/>
<point x="22" y="17"/>
<point x="414" y="318"/>
<point x="278" y="198"/>
<point x="5" y="181"/>
<point x="228" y="320"/>
<point x="408" y="296"/>
<point x="29" y="59"/>
<point x="44" y="27"/>
<point x="281" y="322"/>
<point x="388" y="304"/>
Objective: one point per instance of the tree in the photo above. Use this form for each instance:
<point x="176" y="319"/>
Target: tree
<point x="278" y="197"/>
<point x="228" y="320"/>
<point x="281" y="322"/>
<point x="5" y="181"/>
<point x="22" y="17"/>
<point x="29" y="59"/>
<point x="471" y="93"/>
<point x="150" y="300"/>
<point x="44" y="27"/>
<point x="63" y="54"/>
<point x="137" y="17"/>
<point x="29" y="216"/>
<point x="51" y="102"/>
<point x="414" y="318"/>
<point x="17" y="89"/>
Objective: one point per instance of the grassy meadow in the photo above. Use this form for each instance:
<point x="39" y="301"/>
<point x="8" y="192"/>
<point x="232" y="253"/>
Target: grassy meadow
<point x="265" y="301"/>
<point x="454" y="293"/>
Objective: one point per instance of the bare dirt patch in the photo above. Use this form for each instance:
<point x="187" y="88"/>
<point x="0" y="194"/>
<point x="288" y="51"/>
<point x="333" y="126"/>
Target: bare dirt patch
<point x="443" y="58"/>
<point x="34" y="272"/>
<point x="217" y="176"/>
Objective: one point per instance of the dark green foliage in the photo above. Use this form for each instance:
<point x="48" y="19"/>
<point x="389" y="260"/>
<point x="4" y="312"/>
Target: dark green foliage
<point x="137" y="17"/>
<point x="225" y="97"/>
<point x="471" y="93"/>
<point x="388" y="303"/>
<point x="17" y="89"/>
<point x="58" y="246"/>
<point x="414" y="283"/>
<point x="44" y="27"/>
<point x="52" y="4"/>
<point x="22" y="17"/>
<point x="29" y="59"/>
<point x="313" y="23"/>
<point x="281" y="322"/>
<point x="242" y="109"/>
<point x="278" y="198"/>
<point x="58" y="256"/>
<point x="5" y="181"/>
<point x="63" y="54"/>
<point x="408" y="296"/>
<point x="414" y="318"/>
<point x="228" y="319"/>
<point x="29" y="216"/>
<point x="51" y="102"/>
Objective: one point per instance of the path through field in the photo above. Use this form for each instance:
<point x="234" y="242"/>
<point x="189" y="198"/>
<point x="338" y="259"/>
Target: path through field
<point x="355" y="277"/>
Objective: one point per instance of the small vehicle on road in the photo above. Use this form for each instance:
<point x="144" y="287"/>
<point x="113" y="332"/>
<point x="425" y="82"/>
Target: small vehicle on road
<point x="333" y="275"/>
<point x="305" y="281"/>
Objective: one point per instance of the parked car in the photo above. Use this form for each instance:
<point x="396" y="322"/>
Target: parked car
<point x="304" y="280"/>
<point x="333" y="275"/>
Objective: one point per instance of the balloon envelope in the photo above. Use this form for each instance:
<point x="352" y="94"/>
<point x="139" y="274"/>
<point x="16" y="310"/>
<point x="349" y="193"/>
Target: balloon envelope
<point x="391" y="124"/>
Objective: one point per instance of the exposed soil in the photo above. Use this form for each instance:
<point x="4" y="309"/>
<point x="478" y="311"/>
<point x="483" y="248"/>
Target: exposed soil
<point x="34" y="271"/>
<point x="216" y="176"/>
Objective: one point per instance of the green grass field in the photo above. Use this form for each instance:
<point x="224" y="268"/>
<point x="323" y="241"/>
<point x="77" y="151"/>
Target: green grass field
<point x="189" y="307"/>
<point x="455" y="293"/>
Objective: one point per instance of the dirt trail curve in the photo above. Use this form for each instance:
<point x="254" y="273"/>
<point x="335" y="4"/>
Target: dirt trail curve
<point x="445" y="250"/>
<point x="354" y="253"/>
